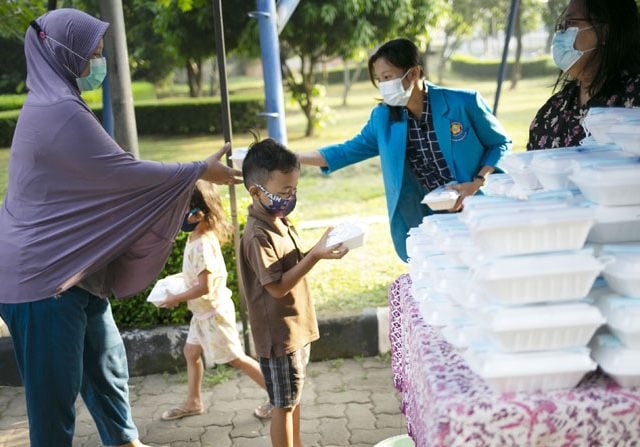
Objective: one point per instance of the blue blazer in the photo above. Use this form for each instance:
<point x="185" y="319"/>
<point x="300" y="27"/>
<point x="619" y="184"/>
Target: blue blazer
<point x="469" y="137"/>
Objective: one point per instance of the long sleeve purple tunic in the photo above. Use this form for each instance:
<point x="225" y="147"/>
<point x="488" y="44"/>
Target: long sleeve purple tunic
<point x="79" y="209"/>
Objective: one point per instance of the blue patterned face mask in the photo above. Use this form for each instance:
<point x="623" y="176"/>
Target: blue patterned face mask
<point x="279" y="207"/>
<point x="563" y="50"/>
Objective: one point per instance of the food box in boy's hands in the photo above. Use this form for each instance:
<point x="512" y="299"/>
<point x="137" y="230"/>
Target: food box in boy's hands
<point x="350" y="234"/>
<point x="173" y="284"/>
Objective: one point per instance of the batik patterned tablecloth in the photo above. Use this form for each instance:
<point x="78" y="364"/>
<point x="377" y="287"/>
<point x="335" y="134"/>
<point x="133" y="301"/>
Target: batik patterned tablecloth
<point x="446" y="404"/>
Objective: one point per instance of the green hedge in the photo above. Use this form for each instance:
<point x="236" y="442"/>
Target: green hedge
<point x="8" y="121"/>
<point x="481" y="68"/>
<point x="135" y="312"/>
<point x="174" y="117"/>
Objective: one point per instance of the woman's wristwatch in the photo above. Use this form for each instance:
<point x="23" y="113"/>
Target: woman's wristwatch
<point x="482" y="178"/>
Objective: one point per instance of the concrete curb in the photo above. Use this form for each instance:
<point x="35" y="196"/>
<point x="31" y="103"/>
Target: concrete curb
<point x="159" y="350"/>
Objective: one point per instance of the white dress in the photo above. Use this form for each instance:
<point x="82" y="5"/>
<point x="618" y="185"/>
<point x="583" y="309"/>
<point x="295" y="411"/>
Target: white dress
<point x="213" y="325"/>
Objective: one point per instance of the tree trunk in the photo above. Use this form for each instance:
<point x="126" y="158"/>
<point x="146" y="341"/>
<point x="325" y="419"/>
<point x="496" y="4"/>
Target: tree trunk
<point x="214" y="82"/>
<point x="516" y="74"/>
<point x="194" y="77"/>
<point x="347" y="82"/>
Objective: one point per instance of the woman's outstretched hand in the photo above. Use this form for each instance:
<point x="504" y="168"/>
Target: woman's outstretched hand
<point x="220" y="173"/>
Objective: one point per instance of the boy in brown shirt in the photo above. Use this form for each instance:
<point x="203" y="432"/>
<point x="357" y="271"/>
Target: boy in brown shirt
<point x="273" y="268"/>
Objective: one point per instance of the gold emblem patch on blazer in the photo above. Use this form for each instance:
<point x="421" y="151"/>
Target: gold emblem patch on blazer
<point x="456" y="128"/>
<point x="458" y="132"/>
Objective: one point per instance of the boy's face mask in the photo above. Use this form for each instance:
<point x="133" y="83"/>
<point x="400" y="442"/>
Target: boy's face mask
<point x="97" y="73"/>
<point x="279" y="206"/>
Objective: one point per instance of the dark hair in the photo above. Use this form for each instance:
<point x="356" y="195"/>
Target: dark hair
<point x="206" y="198"/>
<point x="617" y="27"/>
<point x="401" y="53"/>
<point x="264" y="157"/>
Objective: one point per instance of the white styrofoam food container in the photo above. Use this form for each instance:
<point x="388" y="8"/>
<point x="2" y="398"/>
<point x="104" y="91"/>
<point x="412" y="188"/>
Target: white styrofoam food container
<point x="540" y="327"/>
<point x="615" y="224"/>
<point x="623" y="274"/>
<point x="462" y="333"/>
<point x="538" y="278"/>
<point x="237" y="157"/>
<point x="553" y="167"/>
<point x="173" y="284"/>
<point x="350" y="234"/>
<point x="517" y="166"/>
<point x="441" y="198"/>
<point x="623" y="318"/>
<point x="531" y="230"/>
<point x="553" y="171"/>
<point x="609" y="184"/>
<point x="626" y="136"/>
<point x="530" y="371"/>
<point x="618" y="361"/>
<point x="599" y="121"/>
<point x="437" y="310"/>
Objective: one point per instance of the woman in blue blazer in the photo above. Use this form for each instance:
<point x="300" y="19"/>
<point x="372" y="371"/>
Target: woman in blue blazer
<point x="426" y="136"/>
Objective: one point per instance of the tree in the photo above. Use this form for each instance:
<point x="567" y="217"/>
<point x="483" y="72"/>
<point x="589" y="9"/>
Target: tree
<point x="456" y="21"/>
<point x="550" y="16"/>
<point x="15" y="16"/>
<point x="323" y="29"/>
<point x="527" y="19"/>
<point x="187" y="26"/>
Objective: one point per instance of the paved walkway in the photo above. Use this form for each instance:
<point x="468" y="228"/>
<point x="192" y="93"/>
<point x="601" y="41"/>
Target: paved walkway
<point x="345" y="402"/>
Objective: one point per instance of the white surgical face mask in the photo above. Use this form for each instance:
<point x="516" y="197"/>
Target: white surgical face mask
<point x="393" y="93"/>
<point x="563" y="48"/>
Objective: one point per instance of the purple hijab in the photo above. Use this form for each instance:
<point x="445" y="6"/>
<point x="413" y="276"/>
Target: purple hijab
<point x="79" y="210"/>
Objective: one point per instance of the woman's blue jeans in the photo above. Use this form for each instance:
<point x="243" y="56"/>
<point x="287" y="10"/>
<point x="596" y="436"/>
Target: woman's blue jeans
<point x="67" y="345"/>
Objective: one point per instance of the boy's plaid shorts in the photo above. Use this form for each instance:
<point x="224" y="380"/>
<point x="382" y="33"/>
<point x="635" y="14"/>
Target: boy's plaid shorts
<point x="284" y="377"/>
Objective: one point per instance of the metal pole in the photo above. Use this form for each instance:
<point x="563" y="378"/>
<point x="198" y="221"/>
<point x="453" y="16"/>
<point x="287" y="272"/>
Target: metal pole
<point x="107" y="110"/>
<point x="271" y="70"/>
<point x="125" y="131"/>
<point x="505" y="53"/>
<point x="226" y="129"/>
<point x="51" y="5"/>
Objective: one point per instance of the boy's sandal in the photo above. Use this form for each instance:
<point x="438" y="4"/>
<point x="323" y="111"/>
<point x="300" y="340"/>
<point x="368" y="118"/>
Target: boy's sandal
<point x="263" y="411"/>
<point x="177" y="413"/>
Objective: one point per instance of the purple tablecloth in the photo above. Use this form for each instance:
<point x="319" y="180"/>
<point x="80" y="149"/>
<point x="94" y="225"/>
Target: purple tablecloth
<point x="446" y="404"/>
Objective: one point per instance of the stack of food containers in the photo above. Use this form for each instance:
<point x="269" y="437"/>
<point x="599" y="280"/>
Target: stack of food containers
<point x="615" y="191"/>
<point x="507" y="279"/>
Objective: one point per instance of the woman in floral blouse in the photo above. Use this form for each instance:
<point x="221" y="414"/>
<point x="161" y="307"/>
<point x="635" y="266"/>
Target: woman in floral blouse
<point x="597" y="47"/>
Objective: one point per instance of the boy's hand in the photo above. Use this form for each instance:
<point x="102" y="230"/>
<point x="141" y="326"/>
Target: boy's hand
<point x="321" y="251"/>
<point x="169" y="302"/>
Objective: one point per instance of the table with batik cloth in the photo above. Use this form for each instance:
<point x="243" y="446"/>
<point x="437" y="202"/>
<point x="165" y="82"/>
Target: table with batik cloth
<point x="446" y="404"/>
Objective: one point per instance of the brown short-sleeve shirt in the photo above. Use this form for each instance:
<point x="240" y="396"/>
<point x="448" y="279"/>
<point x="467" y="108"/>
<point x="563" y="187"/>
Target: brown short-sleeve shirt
<point x="268" y="249"/>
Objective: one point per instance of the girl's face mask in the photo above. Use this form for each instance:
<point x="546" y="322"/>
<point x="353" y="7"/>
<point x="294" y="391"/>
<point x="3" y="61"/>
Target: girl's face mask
<point x="187" y="226"/>
<point x="279" y="206"/>
<point x="564" y="53"/>
<point x="393" y="92"/>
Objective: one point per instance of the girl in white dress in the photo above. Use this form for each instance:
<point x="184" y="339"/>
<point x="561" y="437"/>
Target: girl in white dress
<point x="212" y="332"/>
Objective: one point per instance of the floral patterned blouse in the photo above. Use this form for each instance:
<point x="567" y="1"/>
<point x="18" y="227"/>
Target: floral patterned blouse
<point x="558" y="123"/>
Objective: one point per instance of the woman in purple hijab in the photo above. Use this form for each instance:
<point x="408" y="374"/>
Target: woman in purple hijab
<point x="82" y="220"/>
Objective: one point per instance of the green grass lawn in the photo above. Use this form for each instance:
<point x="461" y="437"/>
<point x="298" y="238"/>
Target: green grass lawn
<point x="361" y="278"/>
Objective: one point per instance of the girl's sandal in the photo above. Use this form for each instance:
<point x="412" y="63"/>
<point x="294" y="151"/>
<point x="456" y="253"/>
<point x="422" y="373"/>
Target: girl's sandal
<point x="177" y="413"/>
